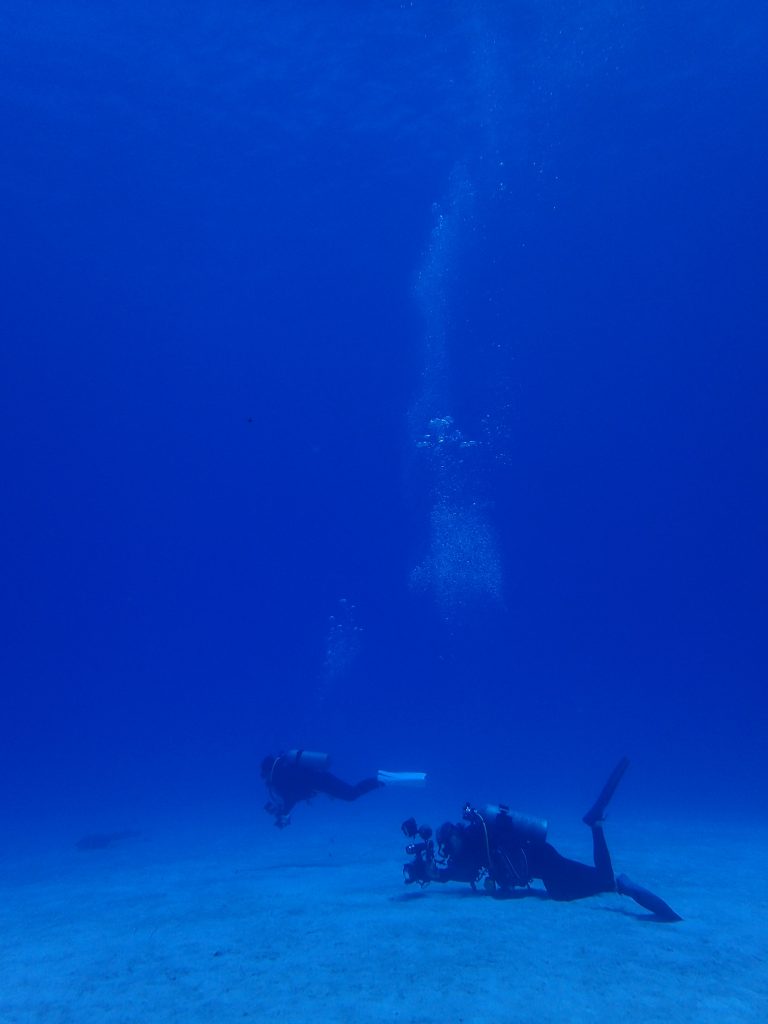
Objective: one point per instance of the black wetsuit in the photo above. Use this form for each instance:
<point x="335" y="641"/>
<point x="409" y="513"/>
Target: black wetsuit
<point x="511" y="861"/>
<point x="289" y="782"/>
<point x="566" y="879"/>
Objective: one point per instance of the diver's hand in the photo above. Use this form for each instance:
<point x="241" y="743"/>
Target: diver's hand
<point x="282" y="820"/>
<point x="414" y="871"/>
<point x="421" y="870"/>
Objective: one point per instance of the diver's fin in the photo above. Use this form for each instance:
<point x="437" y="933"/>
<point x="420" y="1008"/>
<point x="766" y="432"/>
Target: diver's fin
<point x="646" y="899"/>
<point x="597" y="810"/>
<point x="401" y="778"/>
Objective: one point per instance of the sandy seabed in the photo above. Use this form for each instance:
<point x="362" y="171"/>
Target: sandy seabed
<point x="316" y="924"/>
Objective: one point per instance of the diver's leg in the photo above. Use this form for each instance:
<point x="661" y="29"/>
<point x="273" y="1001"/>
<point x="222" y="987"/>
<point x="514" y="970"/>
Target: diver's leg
<point x="597" y="810"/>
<point x="566" y="879"/>
<point x="646" y="899"/>
<point x="333" y="786"/>
<point x="366" y="786"/>
<point x="602" y="858"/>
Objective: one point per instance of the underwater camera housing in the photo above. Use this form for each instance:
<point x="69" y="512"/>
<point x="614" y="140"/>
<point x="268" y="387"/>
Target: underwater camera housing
<point x="423" y="853"/>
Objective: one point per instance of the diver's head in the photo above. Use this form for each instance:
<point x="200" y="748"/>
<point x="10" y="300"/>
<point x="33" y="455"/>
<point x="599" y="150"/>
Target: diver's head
<point x="267" y="765"/>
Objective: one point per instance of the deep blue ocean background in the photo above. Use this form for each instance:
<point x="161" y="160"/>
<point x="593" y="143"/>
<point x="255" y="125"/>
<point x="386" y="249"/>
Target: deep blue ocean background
<point x="382" y="378"/>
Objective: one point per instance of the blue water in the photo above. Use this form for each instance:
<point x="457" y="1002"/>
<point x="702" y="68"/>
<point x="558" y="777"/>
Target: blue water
<point x="386" y="379"/>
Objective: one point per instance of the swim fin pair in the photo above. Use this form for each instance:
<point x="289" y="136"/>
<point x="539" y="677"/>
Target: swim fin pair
<point x="624" y="885"/>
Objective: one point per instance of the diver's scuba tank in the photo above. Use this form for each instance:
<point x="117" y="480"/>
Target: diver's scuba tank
<point x="310" y="759"/>
<point x="526" y="828"/>
<point x="507" y="836"/>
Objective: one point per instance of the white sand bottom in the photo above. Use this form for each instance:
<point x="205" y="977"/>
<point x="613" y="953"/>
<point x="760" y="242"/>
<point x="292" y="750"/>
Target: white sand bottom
<point x="283" y="927"/>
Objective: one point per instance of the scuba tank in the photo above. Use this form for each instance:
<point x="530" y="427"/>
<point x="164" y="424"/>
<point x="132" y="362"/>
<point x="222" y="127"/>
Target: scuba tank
<point x="310" y="759"/>
<point x="526" y="827"/>
<point x="506" y="835"/>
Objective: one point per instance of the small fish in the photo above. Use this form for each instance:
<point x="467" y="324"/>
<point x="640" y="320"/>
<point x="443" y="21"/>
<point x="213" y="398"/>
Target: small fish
<point x="102" y="840"/>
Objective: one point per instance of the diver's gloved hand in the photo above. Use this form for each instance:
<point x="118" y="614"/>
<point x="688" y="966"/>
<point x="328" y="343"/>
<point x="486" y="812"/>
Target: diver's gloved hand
<point x="422" y="870"/>
<point x="416" y="871"/>
<point x="282" y="820"/>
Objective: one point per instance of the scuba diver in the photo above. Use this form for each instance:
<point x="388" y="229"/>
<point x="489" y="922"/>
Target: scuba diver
<point x="301" y="774"/>
<point x="506" y="850"/>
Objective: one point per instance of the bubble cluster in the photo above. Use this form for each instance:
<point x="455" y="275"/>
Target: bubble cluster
<point x="342" y="646"/>
<point x="443" y="433"/>
<point x="462" y="566"/>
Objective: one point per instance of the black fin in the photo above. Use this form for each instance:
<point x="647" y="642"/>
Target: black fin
<point x="597" y="810"/>
<point x="646" y="899"/>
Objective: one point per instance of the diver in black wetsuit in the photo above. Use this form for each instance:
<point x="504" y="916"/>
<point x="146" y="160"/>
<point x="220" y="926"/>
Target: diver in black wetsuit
<point x="508" y="850"/>
<point x="301" y="774"/>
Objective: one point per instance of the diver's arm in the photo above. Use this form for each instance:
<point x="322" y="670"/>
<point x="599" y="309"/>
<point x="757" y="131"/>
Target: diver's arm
<point x="280" y="807"/>
<point x="426" y="870"/>
<point x="436" y="874"/>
